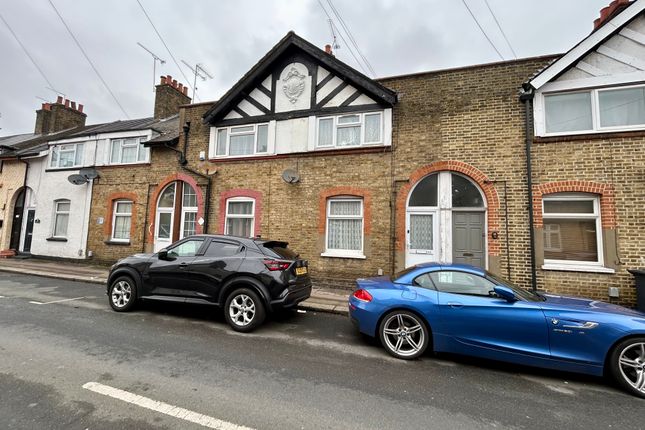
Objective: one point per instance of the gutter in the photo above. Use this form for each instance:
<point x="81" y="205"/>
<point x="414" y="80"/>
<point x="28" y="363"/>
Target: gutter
<point x="526" y="97"/>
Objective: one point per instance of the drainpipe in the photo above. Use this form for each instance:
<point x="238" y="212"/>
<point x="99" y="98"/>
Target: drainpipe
<point x="527" y="98"/>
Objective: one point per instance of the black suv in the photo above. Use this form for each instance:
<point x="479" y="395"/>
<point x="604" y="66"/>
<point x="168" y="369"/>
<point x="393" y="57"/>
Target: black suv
<point x="248" y="277"/>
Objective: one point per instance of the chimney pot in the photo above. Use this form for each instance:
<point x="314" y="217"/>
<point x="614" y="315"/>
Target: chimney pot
<point x="185" y="91"/>
<point x="174" y="83"/>
<point x="163" y="80"/>
<point x="328" y="49"/>
<point x="180" y="87"/>
<point x="66" y="103"/>
<point x="80" y="108"/>
<point x="59" y="100"/>
<point x="74" y="105"/>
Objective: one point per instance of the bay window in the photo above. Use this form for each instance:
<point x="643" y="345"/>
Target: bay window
<point x="350" y="130"/>
<point x="344" y="236"/>
<point x="572" y="230"/>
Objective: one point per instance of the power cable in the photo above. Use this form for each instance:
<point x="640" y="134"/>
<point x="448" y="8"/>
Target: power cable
<point x="143" y="9"/>
<point x="351" y="36"/>
<point x="482" y="30"/>
<point x="89" y="60"/>
<point x="351" y="51"/>
<point x="500" y="28"/>
<point x="26" y="51"/>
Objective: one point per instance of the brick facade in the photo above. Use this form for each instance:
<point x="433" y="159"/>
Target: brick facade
<point x="12" y="178"/>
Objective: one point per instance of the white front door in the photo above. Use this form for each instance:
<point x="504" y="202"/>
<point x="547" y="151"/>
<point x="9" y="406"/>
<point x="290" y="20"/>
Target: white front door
<point x="422" y="229"/>
<point x="164" y="229"/>
<point x="165" y="218"/>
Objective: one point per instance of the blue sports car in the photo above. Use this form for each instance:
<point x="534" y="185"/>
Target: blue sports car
<point x="466" y="310"/>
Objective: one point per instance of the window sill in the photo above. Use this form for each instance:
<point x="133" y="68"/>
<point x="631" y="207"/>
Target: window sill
<point x="56" y="239"/>
<point x="577" y="268"/>
<point x="343" y="255"/>
<point x="117" y="243"/>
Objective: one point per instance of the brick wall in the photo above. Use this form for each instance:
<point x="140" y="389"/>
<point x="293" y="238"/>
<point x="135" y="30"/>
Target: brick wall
<point x="612" y="167"/>
<point x="469" y="120"/>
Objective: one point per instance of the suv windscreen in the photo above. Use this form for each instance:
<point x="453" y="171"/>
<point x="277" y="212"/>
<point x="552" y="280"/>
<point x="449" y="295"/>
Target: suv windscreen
<point x="278" y="250"/>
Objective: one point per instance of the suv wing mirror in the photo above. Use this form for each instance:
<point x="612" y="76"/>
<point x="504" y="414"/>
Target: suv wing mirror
<point x="163" y="254"/>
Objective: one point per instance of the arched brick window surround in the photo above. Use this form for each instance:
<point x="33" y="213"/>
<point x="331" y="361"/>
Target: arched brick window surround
<point x="155" y="197"/>
<point x="605" y="191"/>
<point x="474" y="174"/>
<point x="345" y="191"/>
<point x="241" y="192"/>
<point x="112" y="199"/>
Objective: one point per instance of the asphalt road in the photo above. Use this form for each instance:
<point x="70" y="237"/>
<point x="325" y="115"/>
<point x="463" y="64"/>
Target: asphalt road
<point x="170" y="366"/>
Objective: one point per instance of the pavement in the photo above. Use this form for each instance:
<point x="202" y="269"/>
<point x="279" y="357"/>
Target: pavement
<point x="69" y="362"/>
<point x="321" y="300"/>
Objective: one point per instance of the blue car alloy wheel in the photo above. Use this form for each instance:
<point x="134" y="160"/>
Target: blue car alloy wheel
<point x="403" y="334"/>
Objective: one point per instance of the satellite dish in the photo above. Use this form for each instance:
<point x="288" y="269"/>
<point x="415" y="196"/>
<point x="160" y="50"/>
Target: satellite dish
<point x="89" y="173"/>
<point x="290" y="176"/>
<point x="77" y="179"/>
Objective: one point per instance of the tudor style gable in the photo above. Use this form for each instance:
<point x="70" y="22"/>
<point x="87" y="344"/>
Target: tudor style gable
<point x="299" y="98"/>
<point x="599" y="85"/>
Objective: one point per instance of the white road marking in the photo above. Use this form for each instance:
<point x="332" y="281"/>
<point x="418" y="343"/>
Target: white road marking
<point x="1" y="297"/>
<point x="161" y="407"/>
<point x="56" y="301"/>
<point x="302" y="311"/>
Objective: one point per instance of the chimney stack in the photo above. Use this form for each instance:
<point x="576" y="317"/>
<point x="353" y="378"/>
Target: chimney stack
<point x="608" y="12"/>
<point x="169" y="96"/>
<point x="63" y="114"/>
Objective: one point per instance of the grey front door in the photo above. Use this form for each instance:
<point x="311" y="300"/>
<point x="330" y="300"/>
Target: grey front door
<point x="31" y="214"/>
<point x="468" y="238"/>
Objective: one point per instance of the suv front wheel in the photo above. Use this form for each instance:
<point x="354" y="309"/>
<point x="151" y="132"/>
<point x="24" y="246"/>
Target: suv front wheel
<point x="244" y="310"/>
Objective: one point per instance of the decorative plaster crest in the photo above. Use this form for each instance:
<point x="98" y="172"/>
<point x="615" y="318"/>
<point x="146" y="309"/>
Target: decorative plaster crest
<point x="293" y="84"/>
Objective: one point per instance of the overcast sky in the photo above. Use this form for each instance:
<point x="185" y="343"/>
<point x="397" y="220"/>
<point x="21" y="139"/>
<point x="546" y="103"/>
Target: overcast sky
<point x="228" y="37"/>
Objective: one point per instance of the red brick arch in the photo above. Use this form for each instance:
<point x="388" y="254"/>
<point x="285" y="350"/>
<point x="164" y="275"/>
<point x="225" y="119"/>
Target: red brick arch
<point x="605" y="191"/>
<point x="155" y="196"/>
<point x="345" y="191"/>
<point x="476" y="175"/>
<point x="107" y="222"/>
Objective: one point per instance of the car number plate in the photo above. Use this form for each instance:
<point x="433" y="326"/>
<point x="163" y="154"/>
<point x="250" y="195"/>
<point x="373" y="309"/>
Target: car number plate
<point x="301" y="270"/>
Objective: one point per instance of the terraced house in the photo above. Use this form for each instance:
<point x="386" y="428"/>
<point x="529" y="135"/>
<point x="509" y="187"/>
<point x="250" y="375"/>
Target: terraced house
<point x="531" y="168"/>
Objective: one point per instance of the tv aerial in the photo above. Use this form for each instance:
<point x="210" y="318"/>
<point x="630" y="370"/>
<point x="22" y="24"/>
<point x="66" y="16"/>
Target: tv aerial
<point x="155" y="58"/>
<point x="334" y="44"/>
<point x="200" y="71"/>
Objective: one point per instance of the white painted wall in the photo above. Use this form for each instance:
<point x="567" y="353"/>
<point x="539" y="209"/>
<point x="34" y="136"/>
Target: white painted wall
<point x="49" y="185"/>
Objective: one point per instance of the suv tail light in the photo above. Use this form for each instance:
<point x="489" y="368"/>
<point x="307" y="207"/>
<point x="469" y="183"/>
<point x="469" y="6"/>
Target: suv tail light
<point x="274" y="265"/>
<point x="362" y="295"/>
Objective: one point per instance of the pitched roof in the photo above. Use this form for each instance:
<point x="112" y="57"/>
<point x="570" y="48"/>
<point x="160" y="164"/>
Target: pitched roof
<point x="168" y="129"/>
<point x="590" y="43"/>
<point x="262" y="67"/>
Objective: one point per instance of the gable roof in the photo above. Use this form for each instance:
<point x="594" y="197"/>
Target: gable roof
<point x="591" y="42"/>
<point x="263" y="67"/>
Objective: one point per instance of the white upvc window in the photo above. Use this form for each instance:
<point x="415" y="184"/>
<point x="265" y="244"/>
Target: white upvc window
<point x="350" y="130"/>
<point x="129" y="151"/>
<point x="344" y="230"/>
<point x="240" y="217"/>
<point x="188" y="211"/>
<point x="61" y="218"/>
<point x="572" y="231"/>
<point x="121" y="220"/>
<point x="69" y="155"/>
<point x="240" y="141"/>
<point x="592" y="111"/>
